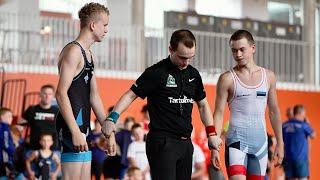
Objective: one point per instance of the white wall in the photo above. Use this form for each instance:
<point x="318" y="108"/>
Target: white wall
<point x="120" y="13"/>
<point x="255" y="9"/>
<point x="220" y="8"/>
<point x="25" y="14"/>
<point x="154" y="10"/>
<point x="18" y="16"/>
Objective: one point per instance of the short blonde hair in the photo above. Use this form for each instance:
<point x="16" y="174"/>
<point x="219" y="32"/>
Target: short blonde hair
<point x="90" y="11"/>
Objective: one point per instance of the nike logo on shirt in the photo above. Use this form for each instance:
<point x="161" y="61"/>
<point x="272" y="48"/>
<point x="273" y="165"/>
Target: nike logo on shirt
<point x="190" y="80"/>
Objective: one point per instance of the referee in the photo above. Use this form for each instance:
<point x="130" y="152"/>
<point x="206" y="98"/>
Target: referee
<point x="171" y="87"/>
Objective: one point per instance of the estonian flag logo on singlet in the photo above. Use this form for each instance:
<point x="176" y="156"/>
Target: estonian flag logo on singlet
<point x="261" y="93"/>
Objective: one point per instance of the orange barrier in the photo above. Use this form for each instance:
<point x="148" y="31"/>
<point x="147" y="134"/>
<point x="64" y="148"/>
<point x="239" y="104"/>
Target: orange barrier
<point x="112" y="89"/>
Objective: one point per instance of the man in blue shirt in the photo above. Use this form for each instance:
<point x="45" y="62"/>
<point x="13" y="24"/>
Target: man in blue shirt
<point x="295" y="135"/>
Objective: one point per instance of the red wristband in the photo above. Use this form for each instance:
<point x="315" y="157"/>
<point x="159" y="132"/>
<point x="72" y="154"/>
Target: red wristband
<point x="211" y="131"/>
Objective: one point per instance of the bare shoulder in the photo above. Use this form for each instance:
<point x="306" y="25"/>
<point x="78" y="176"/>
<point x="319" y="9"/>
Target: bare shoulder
<point x="71" y="54"/>
<point x="225" y="78"/>
<point x="270" y="75"/>
<point x="269" y="72"/>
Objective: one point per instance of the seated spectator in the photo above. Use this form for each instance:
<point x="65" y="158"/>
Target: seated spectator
<point x="47" y="162"/>
<point x="6" y="144"/>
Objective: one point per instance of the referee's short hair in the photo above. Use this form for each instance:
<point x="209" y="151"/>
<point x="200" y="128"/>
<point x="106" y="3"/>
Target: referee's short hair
<point x="184" y="36"/>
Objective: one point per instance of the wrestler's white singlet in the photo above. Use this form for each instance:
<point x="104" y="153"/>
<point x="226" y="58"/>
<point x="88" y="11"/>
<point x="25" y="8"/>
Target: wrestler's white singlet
<point x="246" y="151"/>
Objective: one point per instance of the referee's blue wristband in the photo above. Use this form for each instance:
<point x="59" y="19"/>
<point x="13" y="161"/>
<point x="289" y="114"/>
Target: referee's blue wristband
<point x="113" y="116"/>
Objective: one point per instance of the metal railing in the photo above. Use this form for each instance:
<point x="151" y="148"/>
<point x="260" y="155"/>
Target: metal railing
<point x="135" y="48"/>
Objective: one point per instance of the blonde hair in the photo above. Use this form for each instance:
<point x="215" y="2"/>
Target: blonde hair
<point x="90" y="11"/>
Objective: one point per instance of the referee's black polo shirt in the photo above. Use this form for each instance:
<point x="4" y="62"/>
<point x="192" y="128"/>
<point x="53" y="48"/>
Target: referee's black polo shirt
<point x="171" y="93"/>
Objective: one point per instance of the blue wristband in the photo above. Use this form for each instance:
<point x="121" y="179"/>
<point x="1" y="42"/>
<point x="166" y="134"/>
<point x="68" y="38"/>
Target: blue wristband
<point x="113" y="116"/>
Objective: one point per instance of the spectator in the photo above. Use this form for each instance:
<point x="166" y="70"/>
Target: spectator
<point x="6" y="144"/>
<point x="289" y="113"/>
<point x="47" y="162"/>
<point x="296" y="133"/>
<point x="123" y="139"/>
<point x="16" y="133"/>
<point x="137" y="152"/>
<point x="98" y="156"/>
<point x="18" y="156"/>
<point x="41" y="118"/>
<point x="134" y="173"/>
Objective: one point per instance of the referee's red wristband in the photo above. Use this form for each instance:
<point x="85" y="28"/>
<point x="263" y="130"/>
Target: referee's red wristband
<point x="211" y="131"/>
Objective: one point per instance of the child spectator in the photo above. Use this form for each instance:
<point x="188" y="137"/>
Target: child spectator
<point x="47" y="162"/>
<point x="137" y="152"/>
<point x="6" y="143"/>
<point x="134" y="173"/>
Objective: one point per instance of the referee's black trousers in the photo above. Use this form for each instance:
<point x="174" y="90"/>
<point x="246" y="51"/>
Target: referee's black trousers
<point x="170" y="158"/>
